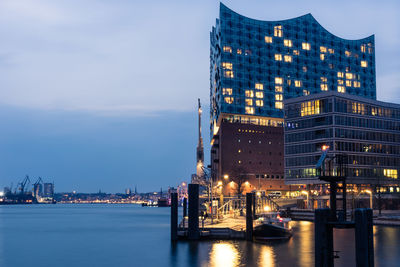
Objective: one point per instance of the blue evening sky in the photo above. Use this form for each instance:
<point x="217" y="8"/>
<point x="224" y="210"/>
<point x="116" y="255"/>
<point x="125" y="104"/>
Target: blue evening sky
<point x="100" y="94"/>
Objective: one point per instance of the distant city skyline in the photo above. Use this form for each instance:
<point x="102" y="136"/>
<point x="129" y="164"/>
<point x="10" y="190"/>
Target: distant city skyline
<point x="103" y="95"/>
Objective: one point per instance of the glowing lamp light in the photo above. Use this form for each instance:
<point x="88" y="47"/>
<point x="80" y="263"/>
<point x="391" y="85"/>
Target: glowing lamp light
<point x="226" y="176"/>
<point x="183" y="184"/>
<point x="247" y="183"/>
<point x="267" y="208"/>
<point x="325" y="147"/>
<point x="1" y="193"/>
<point x="259" y="194"/>
<point x="219" y="183"/>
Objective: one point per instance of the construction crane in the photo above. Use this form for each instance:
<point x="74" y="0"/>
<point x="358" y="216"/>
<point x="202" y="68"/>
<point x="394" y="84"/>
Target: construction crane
<point x="24" y="184"/>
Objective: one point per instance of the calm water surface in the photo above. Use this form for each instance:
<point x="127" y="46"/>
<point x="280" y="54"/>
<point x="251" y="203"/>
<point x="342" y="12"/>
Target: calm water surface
<point x="130" y="235"/>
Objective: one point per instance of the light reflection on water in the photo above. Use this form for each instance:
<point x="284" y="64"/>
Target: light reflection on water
<point x="128" y="235"/>
<point x="224" y="254"/>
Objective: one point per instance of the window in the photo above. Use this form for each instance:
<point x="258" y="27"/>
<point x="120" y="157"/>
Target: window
<point x="228" y="74"/>
<point x="324" y="79"/>
<point x="331" y="51"/>
<point x="259" y="103"/>
<point x="249" y="101"/>
<point x="278" y="88"/>
<point x="297" y="83"/>
<point x="364" y="63"/>
<point x="322" y="49"/>
<point x="229" y="100"/>
<point x="278" y="31"/>
<point x="390" y="173"/>
<point x="239" y="51"/>
<point x="348" y="83"/>
<point x="341" y="89"/>
<point x="259" y="94"/>
<point x="356" y="84"/>
<point x="287" y="43"/>
<point x="249" y="110"/>
<point x="249" y="93"/>
<point x="227" y="91"/>
<point x="304" y="69"/>
<point x="268" y="39"/>
<point x="363" y="48"/>
<point x="324" y="87"/>
<point x="347" y="53"/>
<point x="340" y="82"/>
<point x="349" y="76"/>
<point x="279" y="105"/>
<point x="259" y="86"/>
<point x="306" y="92"/>
<point x="322" y="56"/>
<point x="288" y="58"/>
<point x="278" y="97"/>
<point x="340" y="74"/>
<point x="310" y="108"/>
<point x="227" y="49"/>
<point x="296" y="52"/>
<point x="305" y="46"/>
<point x="278" y="57"/>
<point x="227" y="65"/>
<point x="278" y="80"/>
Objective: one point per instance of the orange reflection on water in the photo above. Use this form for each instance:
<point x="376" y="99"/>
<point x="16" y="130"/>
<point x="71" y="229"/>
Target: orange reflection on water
<point x="224" y="254"/>
<point x="267" y="256"/>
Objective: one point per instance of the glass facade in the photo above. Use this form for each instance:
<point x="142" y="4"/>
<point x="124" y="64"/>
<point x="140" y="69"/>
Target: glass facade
<point x="255" y="65"/>
<point x="366" y="131"/>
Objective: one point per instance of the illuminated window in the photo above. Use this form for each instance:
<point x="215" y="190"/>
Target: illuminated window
<point x="348" y="83"/>
<point x="324" y="79"/>
<point x="227" y="91"/>
<point x="268" y="39"/>
<point x="340" y="82"/>
<point x="278" y="88"/>
<point x="278" y="31"/>
<point x="310" y="108"/>
<point x="288" y="58"/>
<point x="297" y="83"/>
<point x="331" y="51"/>
<point x="229" y="100"/>
<point x="341" y="89"/>
<point x="228" y="74"/>
<point x="259" y="86"/>
<point x="390" y="173"/>
<point x="347" y="53"/>
<point x="358" y="108"/>
<point x="340" y="74"/>
<point x="249" y="93"/>
<point x="227" y="49"/>
<point x="364" y="63"/>
<point x="278" y="57"/>
<point x="330" y="65"/>
<point x="279" y="105"/>
<point x="239" y="51"/>
<point x="278" y="80"/>
<point x="296" y="52"/>
<point x="259" y="94"/>
<point x="305" y="46"/>
<point x="324" y="87"/>
<point x="287" y="43"/>
<point x="304" y="69"/>
<point x="363" y="48"/>
<point x="322" y="49"/>
<point x="249" y="110"/>
<point x="306" y="92"/>
<point x="259" y="103"/>
<point x="249" y="101"/>
<point x="247" y="52"/>
<point x="322" y="56"/>
<point x="278" y="97"/>
<point x="356" y="84"/>
<point x="289" y="82"/>
<point x="227" y="65"/>
<point x="349" y="76"/>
